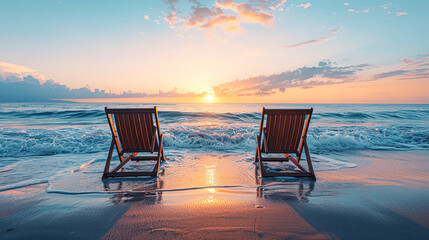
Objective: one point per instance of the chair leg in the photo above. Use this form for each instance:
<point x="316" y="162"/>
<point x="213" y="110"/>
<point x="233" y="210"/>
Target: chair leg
<point x="261" y="164"/>
<point x="158" y="162"/>
<point x="109" y="158"/>
<point x="256" y="152"/>
<point x="309" y="163"/>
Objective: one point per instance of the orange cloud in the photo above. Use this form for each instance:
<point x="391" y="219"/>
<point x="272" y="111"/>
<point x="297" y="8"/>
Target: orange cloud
<point x="247" y="12"/>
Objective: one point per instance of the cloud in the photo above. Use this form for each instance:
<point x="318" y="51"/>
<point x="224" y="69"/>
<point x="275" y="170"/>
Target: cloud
<point x="307" y="42"/>
<point x="17" y="71"/>
<point x="247" y="12"/>
<point x="363" y="11"/>
<point x="172" y="19"/>
<point x="225" y="14"/>
<point x="336" y="30"/>
<point x="18" y="84"/>
<point x="326" y="72"/>
<point x="389" y="74"/>
<point x="321" y="39"/>
<point x="401" y="13"/>
<point x="305" y="5"/>
<point x="171" y="4"/>
<point x="346" y="4"/>
<point x="278" y="5"/>
<point x="407" y="60"/>
<point x="414" y="69"/>
<point x="146" y="17"/>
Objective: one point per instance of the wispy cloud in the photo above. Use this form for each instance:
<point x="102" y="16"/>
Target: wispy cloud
<point x="325" y="73"/>
<point x="307" y="42"/>
<point x="401" y="13"/>
<point x="414" y="69"/>
<point x="321" y="39"/>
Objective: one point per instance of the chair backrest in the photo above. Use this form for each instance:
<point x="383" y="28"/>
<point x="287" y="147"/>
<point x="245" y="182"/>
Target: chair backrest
<point x="285" y="129"/>
<point x="133" y="128"/>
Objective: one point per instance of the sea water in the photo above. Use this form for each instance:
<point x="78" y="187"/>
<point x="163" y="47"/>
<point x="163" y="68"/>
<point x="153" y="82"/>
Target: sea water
<point x="62" y="142"/>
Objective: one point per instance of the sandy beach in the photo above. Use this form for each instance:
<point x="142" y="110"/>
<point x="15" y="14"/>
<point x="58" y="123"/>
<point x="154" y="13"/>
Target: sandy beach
<point x="384" y="196"/>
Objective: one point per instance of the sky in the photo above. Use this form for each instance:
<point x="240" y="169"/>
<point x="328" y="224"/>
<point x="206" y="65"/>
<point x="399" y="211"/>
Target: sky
<point x="278" y="51"/>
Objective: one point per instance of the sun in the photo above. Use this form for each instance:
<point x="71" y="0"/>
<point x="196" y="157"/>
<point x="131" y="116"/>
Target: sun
<point x="209" y="97"/>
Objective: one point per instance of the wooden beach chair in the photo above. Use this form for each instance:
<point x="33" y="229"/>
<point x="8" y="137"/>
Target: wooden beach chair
<point x="285" y="133"/>
<point x="134" y="131"/>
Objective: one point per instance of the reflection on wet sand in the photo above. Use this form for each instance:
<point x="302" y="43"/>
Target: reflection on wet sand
<point x="284" y="188"/>
<point x="153" y="187"/>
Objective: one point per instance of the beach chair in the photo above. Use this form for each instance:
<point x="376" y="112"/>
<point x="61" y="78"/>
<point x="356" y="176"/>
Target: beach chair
<point x="285" y="133"/>
<point x="134" y="131"/>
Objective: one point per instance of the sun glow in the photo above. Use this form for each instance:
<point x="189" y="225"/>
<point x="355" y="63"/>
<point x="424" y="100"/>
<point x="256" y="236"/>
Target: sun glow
<point x="209" y="98"/>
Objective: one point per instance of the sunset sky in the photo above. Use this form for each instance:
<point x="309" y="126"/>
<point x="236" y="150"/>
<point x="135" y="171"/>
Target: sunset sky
<point x="295" y="51"/>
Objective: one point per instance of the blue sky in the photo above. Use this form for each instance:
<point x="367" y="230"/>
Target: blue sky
<point x="195" y="46"/>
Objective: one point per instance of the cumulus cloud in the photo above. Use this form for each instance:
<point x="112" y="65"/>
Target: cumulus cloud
<point x="172" y="19"/>
<point x="17" y="83"/>
<point x="18" y="72"/>
<point x="247" y="12"/>
<point x="326" y="72"/>
<point x="209" y="18"/>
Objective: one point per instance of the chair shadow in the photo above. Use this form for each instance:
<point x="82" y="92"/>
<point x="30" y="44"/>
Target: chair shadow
<point x="284" y="188"/>
<point x="146" y="189"/>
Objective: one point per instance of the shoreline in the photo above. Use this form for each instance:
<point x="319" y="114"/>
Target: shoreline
<point x="385" y="196"/>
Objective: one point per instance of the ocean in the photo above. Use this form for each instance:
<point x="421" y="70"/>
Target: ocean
<point x="63" y="143"/>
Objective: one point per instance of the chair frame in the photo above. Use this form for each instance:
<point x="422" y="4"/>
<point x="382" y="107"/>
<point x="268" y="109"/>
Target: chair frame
<point x="156" y="146"/>
<point x="262" y="148"/>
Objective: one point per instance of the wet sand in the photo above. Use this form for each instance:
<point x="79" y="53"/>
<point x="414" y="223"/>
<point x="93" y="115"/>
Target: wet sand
<point x="385" y="196"/>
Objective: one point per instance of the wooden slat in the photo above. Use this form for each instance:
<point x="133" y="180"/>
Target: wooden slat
<point x="288" y="127"/>
<point x="131" y="174"/>
<point x="144" y="158"/>
<point x="293" y="132"/>
<point x="120" y="128"/>
<point x="288" y="111"/>
<point x="138" y="131"/>
<point x="130" y="130"/>
<point x="287" y="174"/>
<point x="150" y="129"/>
<point x="299" y="134"/>
<point x="129" y="110"/>
<point x="282" y="131"/>
<point x="125" y="124"/>
<point x="273" y="159"/>
<point x="147" y="123"/>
